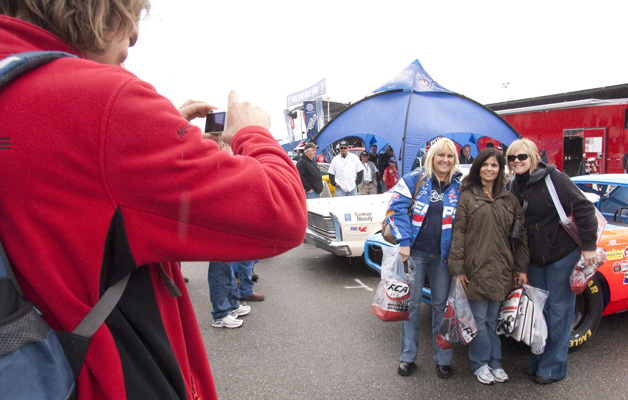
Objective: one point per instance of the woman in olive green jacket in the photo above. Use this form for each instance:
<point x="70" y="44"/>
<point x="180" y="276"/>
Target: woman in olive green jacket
<point x="483" y="259"/>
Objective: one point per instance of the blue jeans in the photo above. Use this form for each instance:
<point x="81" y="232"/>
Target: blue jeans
<point x="312" y="195"/>
<point x="223" y="289"/>
<point x="439" y="283"/>
<point x="558" y="312"/>
<point x="340" y="193"/>
<point x="245" y="274"/>
<point x="486" y="346"/>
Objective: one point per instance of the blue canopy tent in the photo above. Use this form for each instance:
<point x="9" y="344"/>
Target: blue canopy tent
<point x="411" y="110"/>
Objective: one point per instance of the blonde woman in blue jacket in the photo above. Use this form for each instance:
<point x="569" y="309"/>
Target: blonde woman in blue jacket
<point x="426" y="237"/>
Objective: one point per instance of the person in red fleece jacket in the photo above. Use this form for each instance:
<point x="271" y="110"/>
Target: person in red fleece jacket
<point x="103" y="176"/>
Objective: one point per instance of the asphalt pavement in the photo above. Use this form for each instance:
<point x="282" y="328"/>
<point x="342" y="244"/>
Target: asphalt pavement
<point x="314" y="337"/>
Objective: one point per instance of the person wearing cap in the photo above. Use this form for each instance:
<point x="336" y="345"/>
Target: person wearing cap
<point x="391" y="174"/>
<point x="345" y="171"/>
<point x="310" y="172"/>
<point x="370" y="177"/>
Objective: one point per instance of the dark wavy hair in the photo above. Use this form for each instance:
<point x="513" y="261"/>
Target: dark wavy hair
<point x="474" y="179"/>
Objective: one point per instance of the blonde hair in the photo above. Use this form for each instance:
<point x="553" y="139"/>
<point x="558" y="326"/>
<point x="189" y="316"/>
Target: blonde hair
<point x="442" y="145"/>
<point x="531" y="150"/>
<point x="84" y="24"/>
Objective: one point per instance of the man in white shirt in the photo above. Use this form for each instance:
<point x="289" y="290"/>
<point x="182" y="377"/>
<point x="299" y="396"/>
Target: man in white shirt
<point x="368" y="185"/>
<point x="345" y="171"/>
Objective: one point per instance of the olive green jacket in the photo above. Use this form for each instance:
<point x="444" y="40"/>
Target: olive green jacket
<point x="480" y="246"/>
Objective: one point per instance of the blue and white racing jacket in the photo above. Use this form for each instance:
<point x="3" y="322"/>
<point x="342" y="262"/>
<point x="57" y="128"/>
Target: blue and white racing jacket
<point x="406" y="229"/>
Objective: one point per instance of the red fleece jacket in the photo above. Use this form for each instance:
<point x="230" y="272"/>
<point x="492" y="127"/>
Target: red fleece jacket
<point x="90" y="144"/>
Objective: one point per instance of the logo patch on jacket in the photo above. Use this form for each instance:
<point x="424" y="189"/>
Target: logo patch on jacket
<point x="184" y="130"/>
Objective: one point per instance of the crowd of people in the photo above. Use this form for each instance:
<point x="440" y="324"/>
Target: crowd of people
<point x="371" y="173"/>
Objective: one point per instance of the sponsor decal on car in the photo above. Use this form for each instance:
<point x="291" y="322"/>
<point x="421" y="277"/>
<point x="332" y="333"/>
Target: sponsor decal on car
<point x="626" y="252"/>
<point x="617" y="267"/>
<point x="624" y="266"/>
<point x="364" y="216"/>
<point x="626" y="279"/>
<point x="615" y="254"/>
<point x="347" y="217"/>
<point x="362" y="229"/>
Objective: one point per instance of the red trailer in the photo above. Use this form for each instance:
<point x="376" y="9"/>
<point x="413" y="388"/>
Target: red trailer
<point x="575" y="129"/>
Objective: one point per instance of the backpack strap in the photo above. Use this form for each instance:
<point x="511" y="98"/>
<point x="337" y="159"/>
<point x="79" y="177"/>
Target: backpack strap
<point x="97" y="315"/>
<point x="16" y="64"/>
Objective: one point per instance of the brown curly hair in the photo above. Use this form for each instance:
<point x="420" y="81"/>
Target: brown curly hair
<point x="83" y="24"/>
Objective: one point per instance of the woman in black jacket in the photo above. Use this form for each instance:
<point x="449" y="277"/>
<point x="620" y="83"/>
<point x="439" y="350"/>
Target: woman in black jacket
<point x="553" y="253"/>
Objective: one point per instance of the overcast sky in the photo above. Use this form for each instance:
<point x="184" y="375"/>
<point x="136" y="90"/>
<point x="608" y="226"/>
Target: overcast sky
<point x="269" y="49"/>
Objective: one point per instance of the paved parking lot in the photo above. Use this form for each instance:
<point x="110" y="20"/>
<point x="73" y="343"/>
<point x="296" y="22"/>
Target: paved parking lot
<point x="314" y="337"/>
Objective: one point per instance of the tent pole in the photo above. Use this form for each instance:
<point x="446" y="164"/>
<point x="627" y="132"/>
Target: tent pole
<point x="403" y="140"/>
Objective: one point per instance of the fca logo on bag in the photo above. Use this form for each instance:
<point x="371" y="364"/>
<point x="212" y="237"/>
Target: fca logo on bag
<point x="397" y="290"/>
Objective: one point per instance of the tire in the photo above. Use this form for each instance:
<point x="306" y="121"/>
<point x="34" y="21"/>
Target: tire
<point x="587" y="313"/>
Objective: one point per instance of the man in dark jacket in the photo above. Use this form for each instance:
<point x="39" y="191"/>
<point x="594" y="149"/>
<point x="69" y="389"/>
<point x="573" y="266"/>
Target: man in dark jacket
<point x="310" y="173"/>
<point x="465" y="156"/>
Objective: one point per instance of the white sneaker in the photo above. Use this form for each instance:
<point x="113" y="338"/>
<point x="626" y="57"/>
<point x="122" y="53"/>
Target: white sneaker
<point x="499" y="374"/>
<point x="240" y="311"/>
<point x="484" y="375"/>
<point x="227" y="322"/>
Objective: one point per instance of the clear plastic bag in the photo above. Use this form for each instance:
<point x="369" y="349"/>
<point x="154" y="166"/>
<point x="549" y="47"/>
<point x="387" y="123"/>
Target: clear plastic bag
<point x="539" y="325"/>
<point x="530" y="324"/>
<point x="581" y="275"/>
<point x="392" y="297"/>
<point x="458" y="326"/>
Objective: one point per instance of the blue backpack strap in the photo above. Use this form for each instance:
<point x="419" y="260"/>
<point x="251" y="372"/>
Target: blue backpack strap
<point x="16" y="64"/>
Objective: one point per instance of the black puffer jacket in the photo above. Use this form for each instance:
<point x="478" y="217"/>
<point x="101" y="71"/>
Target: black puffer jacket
<point x="547" y="239"/>
<point x="480" y="246"/>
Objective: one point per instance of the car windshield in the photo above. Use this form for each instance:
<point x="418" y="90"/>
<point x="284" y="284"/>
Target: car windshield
<point x="614" y="199"/>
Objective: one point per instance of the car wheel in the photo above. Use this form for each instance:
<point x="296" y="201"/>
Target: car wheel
<point x="587" y="314"/>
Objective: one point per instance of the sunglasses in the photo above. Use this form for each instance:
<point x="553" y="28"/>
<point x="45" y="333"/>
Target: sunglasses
<point x="343" y="148"/>
<point x="520" y="157"/>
